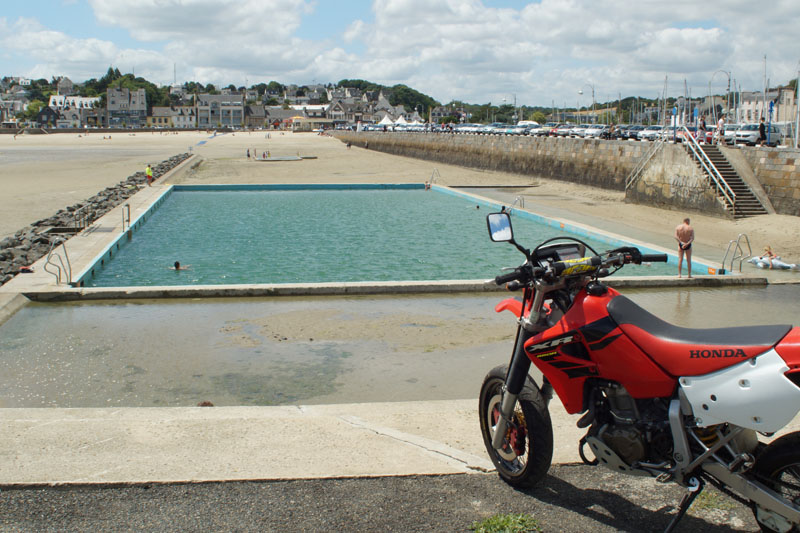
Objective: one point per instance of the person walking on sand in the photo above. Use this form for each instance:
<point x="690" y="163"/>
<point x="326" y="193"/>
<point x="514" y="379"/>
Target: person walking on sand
<point x="149" y="172"/>
<point x="684" y="234"/>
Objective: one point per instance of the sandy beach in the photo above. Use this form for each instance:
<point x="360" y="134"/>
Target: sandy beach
<point x="45" y="173"/>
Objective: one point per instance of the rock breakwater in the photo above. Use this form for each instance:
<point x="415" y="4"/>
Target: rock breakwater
<point x="33" y="242"/>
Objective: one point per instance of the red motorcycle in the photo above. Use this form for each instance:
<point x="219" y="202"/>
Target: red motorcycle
<point x="678" y="404"/>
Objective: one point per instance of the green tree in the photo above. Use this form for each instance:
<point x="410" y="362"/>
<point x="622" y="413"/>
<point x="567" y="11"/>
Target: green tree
<point x="539" y="117"/>
<point x="260" y="88"/>
<point x="274" y="86"/>
<point x="33" y="109"/>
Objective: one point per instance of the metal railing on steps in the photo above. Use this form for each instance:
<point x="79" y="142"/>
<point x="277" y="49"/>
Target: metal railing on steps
<point x="640" y="166"/>
<point x="720" y="185"/>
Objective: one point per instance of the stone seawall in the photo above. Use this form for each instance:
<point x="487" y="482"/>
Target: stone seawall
<point x="671" y="179"/>
<point x="777" y="171"/>
<point x="586" y="161"/>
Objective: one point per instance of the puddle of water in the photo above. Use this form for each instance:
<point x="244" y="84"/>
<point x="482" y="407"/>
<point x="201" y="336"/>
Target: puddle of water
<point x="294" y="350"/>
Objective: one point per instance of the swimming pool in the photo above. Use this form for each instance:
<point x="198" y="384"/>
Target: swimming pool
<point x="310" y="234"/>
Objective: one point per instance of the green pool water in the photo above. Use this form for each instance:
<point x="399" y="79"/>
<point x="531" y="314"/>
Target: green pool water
<point x="308" y="236"/>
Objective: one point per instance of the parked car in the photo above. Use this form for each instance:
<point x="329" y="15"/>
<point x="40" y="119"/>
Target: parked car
<point x="680" y="136"/>
<point x="563" y="130"/>
<point x="632" y="132"/>
<point x="730" y="133"/>
<point x="651" y="133"/>
<point x="578" y="130"/>
<point x="749" y="134"/>
<point x="533" y="129"/>
<point x="596" y="131"/>
<point x="615" y="132"/>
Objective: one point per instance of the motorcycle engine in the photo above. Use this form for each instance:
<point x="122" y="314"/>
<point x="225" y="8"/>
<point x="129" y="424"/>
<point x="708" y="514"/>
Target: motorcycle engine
<point x="637" y="431"/>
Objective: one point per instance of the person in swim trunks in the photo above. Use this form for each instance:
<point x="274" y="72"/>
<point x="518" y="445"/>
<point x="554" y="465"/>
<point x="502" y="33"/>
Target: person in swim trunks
<point x="684" y="234"/>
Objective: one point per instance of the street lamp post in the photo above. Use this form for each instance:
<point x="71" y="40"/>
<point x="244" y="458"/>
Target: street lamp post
<point x="727" y="103"/>
<point x="594" y="118"/>
<point x="797" y="107"/>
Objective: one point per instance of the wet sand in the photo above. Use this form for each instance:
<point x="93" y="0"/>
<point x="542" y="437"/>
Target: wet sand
<point x="44" y="173"/>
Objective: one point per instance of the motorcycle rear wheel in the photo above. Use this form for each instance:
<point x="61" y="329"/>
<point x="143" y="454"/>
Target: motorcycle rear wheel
<point x="528" y="445"/>
<point x="778" y="467"/>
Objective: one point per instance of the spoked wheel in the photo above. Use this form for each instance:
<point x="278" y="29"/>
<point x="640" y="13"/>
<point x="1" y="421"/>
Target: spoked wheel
<point x="528" y="444"/>
<point x="778" y="467"/>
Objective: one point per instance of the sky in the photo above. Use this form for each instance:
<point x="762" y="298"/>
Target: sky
<point x="546" y="53"/>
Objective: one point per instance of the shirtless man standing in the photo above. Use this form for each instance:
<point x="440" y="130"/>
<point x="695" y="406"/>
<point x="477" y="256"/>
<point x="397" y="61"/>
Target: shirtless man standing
<point x="684" y="234"/>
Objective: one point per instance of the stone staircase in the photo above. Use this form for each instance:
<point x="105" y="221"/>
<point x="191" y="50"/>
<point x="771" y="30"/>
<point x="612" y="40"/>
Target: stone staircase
<point x="747" y="204"/>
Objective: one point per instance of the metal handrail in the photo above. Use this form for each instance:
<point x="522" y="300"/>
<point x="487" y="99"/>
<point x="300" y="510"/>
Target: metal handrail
<point x="639" y="168"/>
<point x="432" y="180"/>
<point x="721" y="185"/>
<point x="518" y="200"/>
<point x="80" y="217"/>
<point x="126" y="216"/>
<point x="67" y="269"/>
<point x="737" y="248"/>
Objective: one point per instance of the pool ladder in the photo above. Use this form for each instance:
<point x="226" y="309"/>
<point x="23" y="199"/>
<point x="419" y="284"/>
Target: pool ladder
<point x="735" y="248"/>
<point x="57" y="263"/>
<point x="126" y="216"/>
<point x="519" y="200"/>
<point x="432" y="180"/>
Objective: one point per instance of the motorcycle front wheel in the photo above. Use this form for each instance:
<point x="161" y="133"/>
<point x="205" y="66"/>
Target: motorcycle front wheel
<point x="778" y="467"/>
<point x="528" y="444"/>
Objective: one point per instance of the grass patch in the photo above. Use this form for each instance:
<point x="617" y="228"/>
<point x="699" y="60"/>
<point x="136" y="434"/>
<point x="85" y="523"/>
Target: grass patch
<point x="708" y="500"/>
<point x="506" y="523"/>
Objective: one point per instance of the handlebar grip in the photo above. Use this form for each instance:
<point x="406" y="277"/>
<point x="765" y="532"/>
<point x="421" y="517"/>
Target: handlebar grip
<point x="577" y="265"/>
<point x="654" y="258"/>
<point x="505" y="278"/>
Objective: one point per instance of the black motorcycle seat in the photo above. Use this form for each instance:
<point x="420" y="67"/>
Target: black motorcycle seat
<point x="625" y="311"/>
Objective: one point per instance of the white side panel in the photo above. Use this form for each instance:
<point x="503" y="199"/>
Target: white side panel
<point x="754" y="394"/>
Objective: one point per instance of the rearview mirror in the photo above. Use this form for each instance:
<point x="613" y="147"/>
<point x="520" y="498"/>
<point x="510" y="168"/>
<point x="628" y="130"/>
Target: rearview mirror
<point x="499" y="227"/>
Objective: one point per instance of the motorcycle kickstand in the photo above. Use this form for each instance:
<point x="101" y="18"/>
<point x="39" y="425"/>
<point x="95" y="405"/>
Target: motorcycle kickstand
<point x="694" y="489"/>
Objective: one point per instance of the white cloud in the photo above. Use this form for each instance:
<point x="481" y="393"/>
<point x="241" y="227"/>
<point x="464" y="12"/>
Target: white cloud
<point x="207" y="22"/>
<point x="460" y="49"/>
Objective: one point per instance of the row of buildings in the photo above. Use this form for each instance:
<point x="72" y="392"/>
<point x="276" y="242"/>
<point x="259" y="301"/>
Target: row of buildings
<point x="125" y="108"/>
<point x="321" y="106"/>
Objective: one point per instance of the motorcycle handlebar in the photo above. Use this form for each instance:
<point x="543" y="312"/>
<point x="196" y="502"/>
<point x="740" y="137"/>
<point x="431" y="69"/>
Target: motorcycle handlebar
<point x="654" y="258"/>
<point x="519" y="274"/>
<point x="585" y="265"/>
<point x="515" y="275"/>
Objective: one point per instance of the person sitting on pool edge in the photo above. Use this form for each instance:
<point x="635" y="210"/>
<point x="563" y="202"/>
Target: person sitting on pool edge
<point x="178" y="266"/>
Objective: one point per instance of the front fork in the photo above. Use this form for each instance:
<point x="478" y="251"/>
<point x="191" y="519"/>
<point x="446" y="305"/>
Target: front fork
<point x="520" y="363"/>
<point x="515" y="380"/>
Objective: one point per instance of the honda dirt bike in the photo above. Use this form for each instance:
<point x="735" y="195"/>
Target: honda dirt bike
<point x="678" y="404"/>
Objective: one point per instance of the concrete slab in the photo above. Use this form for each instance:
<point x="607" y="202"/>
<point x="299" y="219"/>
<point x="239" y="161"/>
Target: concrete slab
<point x="79" y="446"/>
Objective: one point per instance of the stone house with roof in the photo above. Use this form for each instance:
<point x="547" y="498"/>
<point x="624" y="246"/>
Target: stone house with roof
<point x="255" y="116"/>
<point x="70" y="117"/>
<point x="126" y="107"/>
<point x="65" y="86"/>
<point x="47" y="117"/>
